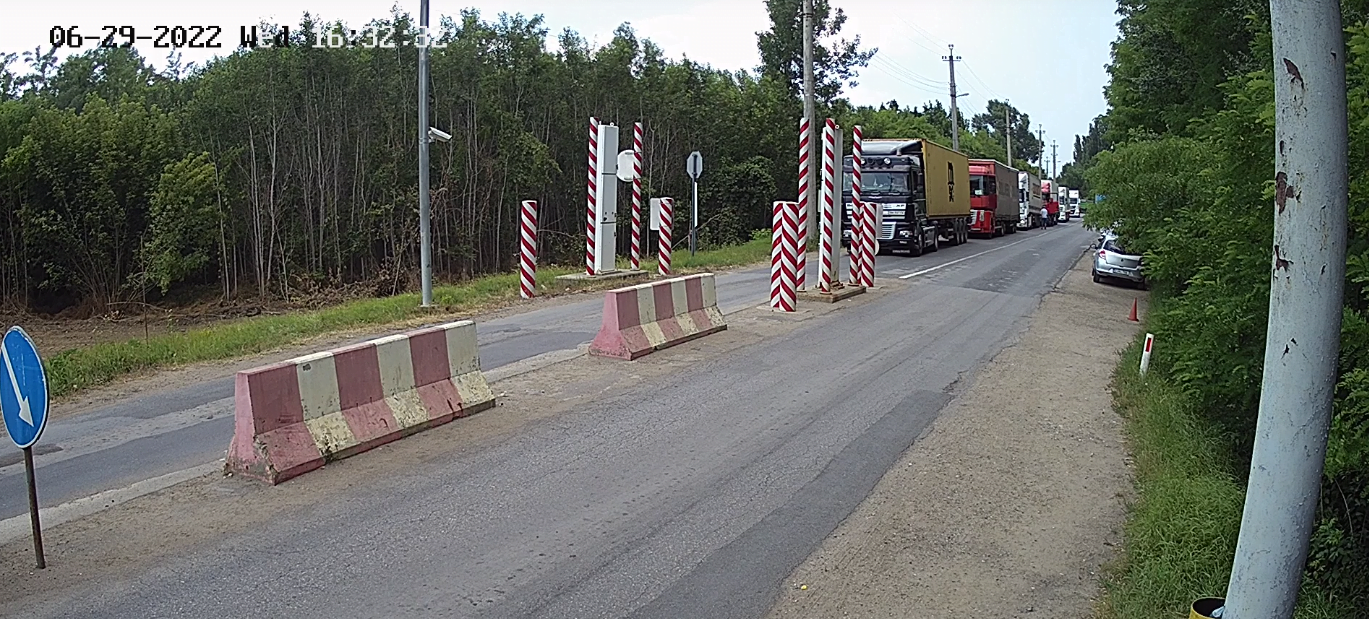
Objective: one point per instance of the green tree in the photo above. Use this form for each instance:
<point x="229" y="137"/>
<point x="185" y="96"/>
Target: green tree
<point x="184" y="221"/>
<point x="836" y="61"/>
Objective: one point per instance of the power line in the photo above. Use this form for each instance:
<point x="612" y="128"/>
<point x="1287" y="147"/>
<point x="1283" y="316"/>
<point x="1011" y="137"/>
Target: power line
<point x="894" y="68"/>
<point x="913" y="74"/>
<point x="927" y="35"/>
<point x="914" y="85"/>
<point x="982" y="83"/>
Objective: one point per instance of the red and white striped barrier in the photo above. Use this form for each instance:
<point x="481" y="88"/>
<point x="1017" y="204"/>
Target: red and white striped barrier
<point x="593" y="189"/>
<point x="870" y="238"/>
<point x="639" y="320"/>
<point x="527" y="250"/>
<point x="857" y="244"/>
<point x="637" y="196"/>
<point x="778" y="266"/>
<point x="292" y="417"/>
<point x="829" y="137"/>
<point x="663" y="235"/>
<point x="1145" y="354"/>
<point x="783" y="255"/>
<point x="805" y="173"/>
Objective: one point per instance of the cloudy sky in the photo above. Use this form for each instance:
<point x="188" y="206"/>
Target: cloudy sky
<point x="1046" y="56"/>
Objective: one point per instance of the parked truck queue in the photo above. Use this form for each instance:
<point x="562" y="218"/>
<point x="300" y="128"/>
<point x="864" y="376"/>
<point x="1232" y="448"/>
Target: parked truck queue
<point x="930" y="195"/>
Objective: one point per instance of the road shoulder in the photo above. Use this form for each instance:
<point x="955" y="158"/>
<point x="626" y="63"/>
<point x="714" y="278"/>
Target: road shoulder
<point x="1014" y="499"/>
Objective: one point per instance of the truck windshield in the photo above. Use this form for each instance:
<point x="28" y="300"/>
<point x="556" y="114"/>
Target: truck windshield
<point x="879" y="182"/>
<point x="983" y="185"/>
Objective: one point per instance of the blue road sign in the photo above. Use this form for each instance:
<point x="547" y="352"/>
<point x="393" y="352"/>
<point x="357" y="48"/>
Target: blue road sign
<point x="23" y="388"/>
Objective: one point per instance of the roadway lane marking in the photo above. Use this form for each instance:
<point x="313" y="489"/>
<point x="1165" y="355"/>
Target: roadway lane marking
<point x="942" y="266"/>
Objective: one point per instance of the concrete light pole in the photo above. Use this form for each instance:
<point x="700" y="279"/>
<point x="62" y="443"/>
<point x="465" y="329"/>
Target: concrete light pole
<point x="1305" y="304"/>
<point x="810" y="112"/>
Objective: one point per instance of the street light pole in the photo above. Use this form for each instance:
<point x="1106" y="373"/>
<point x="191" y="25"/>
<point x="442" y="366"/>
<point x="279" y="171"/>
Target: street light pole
<point x="1007" y="121"/>
<point x="1305" y="304"/>
<point x="425" y="251"/>
<point x="810" y="112"/>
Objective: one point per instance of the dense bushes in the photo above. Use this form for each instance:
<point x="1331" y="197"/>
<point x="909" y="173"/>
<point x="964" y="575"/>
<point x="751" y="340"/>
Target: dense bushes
<point x="1197" y="200"/>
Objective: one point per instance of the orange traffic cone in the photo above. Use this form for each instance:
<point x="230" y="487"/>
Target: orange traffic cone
<point x="1133" y="317"/>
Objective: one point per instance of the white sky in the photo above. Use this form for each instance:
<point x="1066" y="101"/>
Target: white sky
<point x="1046" y="56"/>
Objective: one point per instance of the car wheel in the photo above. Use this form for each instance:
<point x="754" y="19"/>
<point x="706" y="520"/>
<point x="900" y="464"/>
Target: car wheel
<point x="1096" y="278"/>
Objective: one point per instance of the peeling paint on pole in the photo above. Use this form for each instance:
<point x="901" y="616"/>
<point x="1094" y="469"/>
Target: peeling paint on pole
<point x="1305" y="304"/>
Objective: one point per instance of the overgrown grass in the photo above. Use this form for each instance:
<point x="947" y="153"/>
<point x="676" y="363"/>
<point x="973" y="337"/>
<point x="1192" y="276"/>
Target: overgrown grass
<point x="756" y="250"/>
<point x="81" y="368"/>
<point x="1181" y="533"/>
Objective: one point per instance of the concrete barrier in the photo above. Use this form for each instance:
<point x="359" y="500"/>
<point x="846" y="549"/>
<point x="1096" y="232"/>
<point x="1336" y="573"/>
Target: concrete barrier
<point x="639" y="320"/>
<point x="293" y="416"/>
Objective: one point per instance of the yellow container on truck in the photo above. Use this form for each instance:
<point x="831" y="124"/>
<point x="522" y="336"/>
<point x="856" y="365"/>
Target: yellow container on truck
<point x="948" y="181"/>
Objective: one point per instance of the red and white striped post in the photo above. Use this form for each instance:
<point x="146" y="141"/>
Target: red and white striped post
<point x="805" y="172"/>
<point x="781" y="257"/>
<point x="667" y="219"/>
<point x="593" y="189"/>
<point x="867" y="263"/>
<point x="829" y="137"/>
<point x="1145" y="354"/>
<point x="637" y="196"/>
<point x="527" y="261"/>
<point x="857" y="244"/>
<point x="791" y="253"/>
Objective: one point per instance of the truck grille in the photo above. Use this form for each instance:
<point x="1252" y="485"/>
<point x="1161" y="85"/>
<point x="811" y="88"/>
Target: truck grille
<point x="887" y="234"/>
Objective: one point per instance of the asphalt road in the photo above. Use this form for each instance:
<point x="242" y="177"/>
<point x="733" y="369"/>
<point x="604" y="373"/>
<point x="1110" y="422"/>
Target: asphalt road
<point x="161" y="433"/>
<point x="692" y="505"/>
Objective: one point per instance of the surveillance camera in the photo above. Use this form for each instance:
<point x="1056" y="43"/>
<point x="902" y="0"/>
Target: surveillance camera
<point x="439" y="135"/>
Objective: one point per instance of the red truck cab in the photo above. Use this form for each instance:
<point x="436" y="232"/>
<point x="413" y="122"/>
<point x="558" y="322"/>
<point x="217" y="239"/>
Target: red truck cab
<point x="993" y="198"/>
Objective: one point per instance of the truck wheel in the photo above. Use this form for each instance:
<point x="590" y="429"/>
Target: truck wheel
<point x="936" y="242"/>
<point x="916" y="249"/>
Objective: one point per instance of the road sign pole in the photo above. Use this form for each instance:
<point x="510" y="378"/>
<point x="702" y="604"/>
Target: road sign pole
<point x="24" y="407"/>
<point x="694" y="220"/>
<point x="33" y="509"/>
<point x="694" y="166"/>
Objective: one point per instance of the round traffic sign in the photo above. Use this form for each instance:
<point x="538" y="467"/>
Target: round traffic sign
<point x="23" y="388"/>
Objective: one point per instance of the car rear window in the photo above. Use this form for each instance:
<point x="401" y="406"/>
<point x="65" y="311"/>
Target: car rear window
<point x="1111" y="245"/>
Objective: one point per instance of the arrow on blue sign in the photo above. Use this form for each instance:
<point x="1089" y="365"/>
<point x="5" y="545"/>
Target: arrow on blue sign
<point x="23" y="389"/>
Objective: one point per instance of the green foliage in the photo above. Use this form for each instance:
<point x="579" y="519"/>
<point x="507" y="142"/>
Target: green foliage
<point x="890" y="121"/>
<point x="1025" y="143"/>
<point x="737" y="199"/>
<point x="1182" y="530"/>
<point x="835" y="60"/>
<point x="87" y="179"/>
<point x="81" y="368"/>
<point x="184" y="222"/>
<point x="1190" y="186"/>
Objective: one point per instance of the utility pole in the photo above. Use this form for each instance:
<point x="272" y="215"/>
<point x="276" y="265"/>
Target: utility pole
<point x="425" y="240"/>
<point x="1041" y="137"/>
<point x="810" y="112"/>
<point x="1054" y="159"/>
<point x="1305" y="304"/>
<point x="1007" y="120"/>
<point x="955" y="112"/>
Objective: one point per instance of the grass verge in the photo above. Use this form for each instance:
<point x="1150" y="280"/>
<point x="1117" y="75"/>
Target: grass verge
<point x="1181" y="532"/>
<point x="81" y="368"/>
